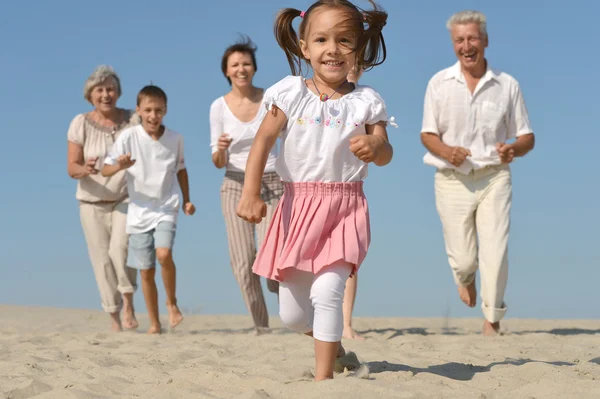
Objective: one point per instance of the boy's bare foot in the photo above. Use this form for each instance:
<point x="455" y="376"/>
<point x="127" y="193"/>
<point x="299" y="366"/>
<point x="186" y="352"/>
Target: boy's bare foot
<point x="468" y="294"/>
<point x="491" y="329"/>
<point x="175" y="316"/>
<point x="116" y="322"/>
<point x="154" y="330"/>
<point x="129" y="320"/>
<point x="349" y="333"/>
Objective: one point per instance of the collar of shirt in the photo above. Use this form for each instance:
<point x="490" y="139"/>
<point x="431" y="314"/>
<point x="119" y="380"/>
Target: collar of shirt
<point x="455" y="72"/>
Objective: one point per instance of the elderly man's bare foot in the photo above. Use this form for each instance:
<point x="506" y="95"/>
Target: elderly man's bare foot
<point x="116" y="322"/>
<point x="349" y="333"/>
<point x="468" y="294"/>
<point x="129" y="320"/>
<point x="154" y="330"/>
<point x="491" y="329"/>
<point x="175" y="316"/>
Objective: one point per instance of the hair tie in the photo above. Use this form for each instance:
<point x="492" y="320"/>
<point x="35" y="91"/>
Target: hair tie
<point x="302" y="14"/>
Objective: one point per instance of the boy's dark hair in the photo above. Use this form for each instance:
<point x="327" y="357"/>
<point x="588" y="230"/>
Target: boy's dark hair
<point x="246" y="46"/>
<point x="151" y="91"/>
<point x="370" y="49"/>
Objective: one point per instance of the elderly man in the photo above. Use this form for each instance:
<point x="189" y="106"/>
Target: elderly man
<point x="471" y="111"/>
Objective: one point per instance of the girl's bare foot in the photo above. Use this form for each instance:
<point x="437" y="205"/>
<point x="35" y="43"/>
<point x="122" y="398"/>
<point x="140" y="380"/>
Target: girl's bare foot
<point x="175" y="316"/>
<point x="116" y="322"/>
<point x="491" y="329"/>
<point x="345" y="360"/>
<point x="349" y="333"/>
<point x="129" y="320"/>
<point x="154" y="330"/>
<point x="468" y="294"/>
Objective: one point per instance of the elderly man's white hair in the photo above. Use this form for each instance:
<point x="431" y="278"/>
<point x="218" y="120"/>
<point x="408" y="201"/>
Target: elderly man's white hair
<point x="100" y="75"/>
<point x="467" y="17"/>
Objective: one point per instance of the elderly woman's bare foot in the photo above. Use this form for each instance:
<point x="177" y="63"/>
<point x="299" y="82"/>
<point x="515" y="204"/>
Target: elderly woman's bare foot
<point x="116" y="322"/>
<point x="468" y="294"/>
<point x="154" y="329"/>
<point x="175" y="316"/>
<point x="491" y="329"/>
<point x="129" y="320"/>
<point x="349" y="333"/>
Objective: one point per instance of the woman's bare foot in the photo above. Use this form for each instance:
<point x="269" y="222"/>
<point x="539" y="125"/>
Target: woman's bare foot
<point x="116" y="322"/>
<point x="129" y="320"/>
<point x="175" y="316"/>
<point x="468" y="294"/>
<point x="349" y="333"/>
<point x="154" y="329"/>
<point x="491" y="329"/>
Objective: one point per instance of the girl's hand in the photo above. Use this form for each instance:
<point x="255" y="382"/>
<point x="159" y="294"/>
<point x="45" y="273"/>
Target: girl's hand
<point x="251" y="209"/>
<point x="365" y="147"/>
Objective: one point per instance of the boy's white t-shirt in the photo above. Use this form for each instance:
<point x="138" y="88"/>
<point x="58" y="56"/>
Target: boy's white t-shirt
<point x="315" y="142"/>
<point x="152" y="181"/>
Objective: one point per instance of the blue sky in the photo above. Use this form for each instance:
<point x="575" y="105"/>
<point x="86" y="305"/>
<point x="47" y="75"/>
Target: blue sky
<point x="49" y="49"/>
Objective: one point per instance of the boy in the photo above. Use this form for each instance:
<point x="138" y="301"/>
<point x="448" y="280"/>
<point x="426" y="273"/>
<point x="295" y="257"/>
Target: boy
<point x="153" y="156"/>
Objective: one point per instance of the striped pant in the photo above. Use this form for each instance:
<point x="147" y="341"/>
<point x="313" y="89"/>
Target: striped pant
<point x="242" y="241"/>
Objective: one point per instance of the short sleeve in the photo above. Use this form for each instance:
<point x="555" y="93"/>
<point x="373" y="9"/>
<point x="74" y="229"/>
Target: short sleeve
<point x="120" y="147"/>
<point x="75" y="134"/>
<point x="377" y="110"/>
<point x="180" y="157"/>
<point x="285" y="94"/>
<point x="518" y="118"/>
<point x="430" y="124"/>
<point x="216" y="123"/>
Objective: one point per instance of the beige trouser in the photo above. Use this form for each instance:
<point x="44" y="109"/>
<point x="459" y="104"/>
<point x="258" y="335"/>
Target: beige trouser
<point x="475" y="213"/>
<point x="242" y="242"/>
<point x="104" y="228"/>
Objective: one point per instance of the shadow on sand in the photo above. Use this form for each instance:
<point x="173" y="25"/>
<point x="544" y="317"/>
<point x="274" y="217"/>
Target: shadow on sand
<point x="453" y="370"/>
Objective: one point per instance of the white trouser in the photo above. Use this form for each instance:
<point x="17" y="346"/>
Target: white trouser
<point x="313" y="302"/>
<point x="475" y="213"/>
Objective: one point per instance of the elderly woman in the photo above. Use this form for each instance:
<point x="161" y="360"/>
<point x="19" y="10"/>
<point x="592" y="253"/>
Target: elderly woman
<point x="103" y="200"/>
<point x="234" y="121"/>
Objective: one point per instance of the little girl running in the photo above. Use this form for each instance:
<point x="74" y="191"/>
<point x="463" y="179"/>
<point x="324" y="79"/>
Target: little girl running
<point x="330" y="130"/>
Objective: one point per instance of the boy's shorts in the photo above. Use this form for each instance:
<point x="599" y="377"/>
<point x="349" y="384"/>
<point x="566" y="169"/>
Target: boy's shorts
<point x="141" y="253"/>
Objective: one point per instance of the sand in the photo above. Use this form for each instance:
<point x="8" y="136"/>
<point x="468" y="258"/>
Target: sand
<point x="64" y="353"/>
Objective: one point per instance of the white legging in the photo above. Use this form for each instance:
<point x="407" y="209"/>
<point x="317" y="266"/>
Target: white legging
<point x="313" y="302"/>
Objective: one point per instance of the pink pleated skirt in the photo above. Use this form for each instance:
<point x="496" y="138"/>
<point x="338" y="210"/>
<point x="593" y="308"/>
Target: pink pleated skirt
<point x="315" y="225"/>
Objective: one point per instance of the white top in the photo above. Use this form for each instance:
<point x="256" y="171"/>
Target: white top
<point x="152" y="180"/>
<point x="315" y="142"/>
<point x="242" y="134"/>
<point x="495" y="112"/>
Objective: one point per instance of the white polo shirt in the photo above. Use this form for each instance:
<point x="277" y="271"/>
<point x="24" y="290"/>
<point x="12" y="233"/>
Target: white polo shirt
<point x="494" y="112"/>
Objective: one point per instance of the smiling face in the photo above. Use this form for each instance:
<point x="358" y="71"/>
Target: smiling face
<point x="469" y="46"/>
<point x="240" y="69"/>
<point x="152" y="111"/>
<point x="104" y="96"/>
<point x="328" y="45"/>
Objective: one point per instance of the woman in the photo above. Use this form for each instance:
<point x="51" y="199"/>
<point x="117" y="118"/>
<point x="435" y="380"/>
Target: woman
<point x="103" y="200"/>
<point x="234" y="121"/>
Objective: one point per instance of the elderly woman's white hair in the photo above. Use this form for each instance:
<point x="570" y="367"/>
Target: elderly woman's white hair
<point x="100" y="75"/>
<point x="467" y="17"/>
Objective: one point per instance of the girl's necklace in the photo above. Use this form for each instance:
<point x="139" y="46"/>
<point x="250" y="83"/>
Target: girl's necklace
<point x="323" y="96"/>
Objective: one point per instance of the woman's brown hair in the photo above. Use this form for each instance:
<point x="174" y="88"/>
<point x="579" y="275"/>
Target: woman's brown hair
<point x="370" y="49"/>
<point x="245" y="46"/>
